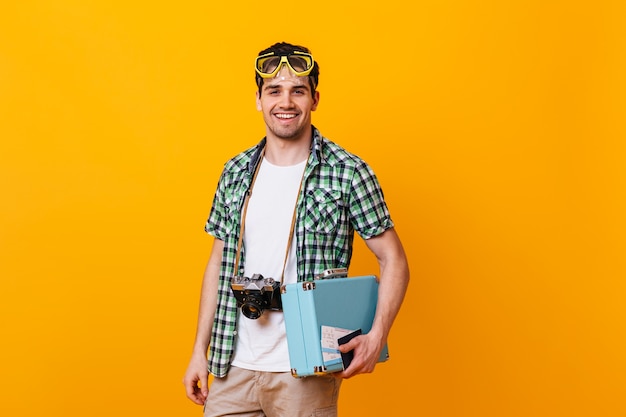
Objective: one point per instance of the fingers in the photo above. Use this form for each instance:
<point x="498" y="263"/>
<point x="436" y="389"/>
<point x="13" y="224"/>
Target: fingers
<point x="351" y="345"/>
<point x="197" y="394"/>
<point x="204" y="389"/>
<point x="364" y="360"/>
<point x="196" y="380"/>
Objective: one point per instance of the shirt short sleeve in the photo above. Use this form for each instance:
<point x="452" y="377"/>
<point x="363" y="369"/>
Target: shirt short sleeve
<point x="369" y="212"/>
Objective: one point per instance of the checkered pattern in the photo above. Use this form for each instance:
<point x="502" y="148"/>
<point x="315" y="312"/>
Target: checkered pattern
<point x="340" y="195"/>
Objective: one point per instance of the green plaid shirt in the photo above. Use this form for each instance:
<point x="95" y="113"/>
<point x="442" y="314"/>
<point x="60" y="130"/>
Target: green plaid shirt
<point x="340" y="194"/>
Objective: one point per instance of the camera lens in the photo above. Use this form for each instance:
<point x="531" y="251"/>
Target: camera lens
<point x="251" y="310"/>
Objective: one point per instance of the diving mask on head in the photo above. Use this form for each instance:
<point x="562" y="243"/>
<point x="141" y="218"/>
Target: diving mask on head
<point x="268" y="65"/>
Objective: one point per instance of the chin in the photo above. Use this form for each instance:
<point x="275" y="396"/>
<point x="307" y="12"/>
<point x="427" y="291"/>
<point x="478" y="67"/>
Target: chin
<point x="287" y="134"/>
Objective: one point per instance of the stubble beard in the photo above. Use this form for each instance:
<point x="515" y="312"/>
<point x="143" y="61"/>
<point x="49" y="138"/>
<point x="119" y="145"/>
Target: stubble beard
<point x="287" y="133"/>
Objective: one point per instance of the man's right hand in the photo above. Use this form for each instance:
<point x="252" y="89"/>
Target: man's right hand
<point x="196" y="380"/>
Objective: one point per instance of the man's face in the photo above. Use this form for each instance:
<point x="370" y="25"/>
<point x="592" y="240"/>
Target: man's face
<point x="287" y="102"/>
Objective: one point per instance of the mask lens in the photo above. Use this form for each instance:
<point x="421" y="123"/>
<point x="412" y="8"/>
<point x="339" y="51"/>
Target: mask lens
<point x="268" y="65"/>
<point x="300" y="63"/>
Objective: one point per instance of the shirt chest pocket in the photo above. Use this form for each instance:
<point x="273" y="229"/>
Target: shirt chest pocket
<point x="232" y="211"/>
<point x="322" y="210"/>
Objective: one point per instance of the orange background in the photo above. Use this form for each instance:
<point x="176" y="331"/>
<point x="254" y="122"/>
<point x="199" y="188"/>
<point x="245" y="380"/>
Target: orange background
<point x="496" y="129"/>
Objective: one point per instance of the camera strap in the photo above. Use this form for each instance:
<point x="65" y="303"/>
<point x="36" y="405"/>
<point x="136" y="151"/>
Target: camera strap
<point x="245" y="210"/>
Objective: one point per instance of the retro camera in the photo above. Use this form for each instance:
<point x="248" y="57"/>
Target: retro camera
<point x="257" y="294"/>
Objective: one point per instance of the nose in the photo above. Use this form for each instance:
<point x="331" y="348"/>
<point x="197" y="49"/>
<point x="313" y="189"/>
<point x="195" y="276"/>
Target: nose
<point x="285" y="99"/>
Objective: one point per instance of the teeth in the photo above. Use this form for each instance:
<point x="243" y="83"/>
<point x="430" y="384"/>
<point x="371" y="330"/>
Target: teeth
<point x="285" y="116"/>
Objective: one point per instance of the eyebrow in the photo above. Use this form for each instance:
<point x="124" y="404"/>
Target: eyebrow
<point x="269" y="86"/>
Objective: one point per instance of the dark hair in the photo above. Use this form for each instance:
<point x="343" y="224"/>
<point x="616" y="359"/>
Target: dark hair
<point x="282" y="48"/>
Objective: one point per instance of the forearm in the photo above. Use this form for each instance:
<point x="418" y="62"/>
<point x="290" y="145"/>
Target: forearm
<point x="394" y="280"/>
<point x="393" y="284"/>
<point x="208" y="299"/>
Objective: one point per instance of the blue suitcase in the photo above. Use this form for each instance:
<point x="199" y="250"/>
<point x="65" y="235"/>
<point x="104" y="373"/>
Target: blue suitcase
<point x="314" y="309"/>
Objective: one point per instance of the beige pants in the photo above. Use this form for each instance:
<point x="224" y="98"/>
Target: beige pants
<point x="272" y="394"/>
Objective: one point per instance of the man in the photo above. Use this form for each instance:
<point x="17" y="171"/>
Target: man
<point x="287" y="208"/>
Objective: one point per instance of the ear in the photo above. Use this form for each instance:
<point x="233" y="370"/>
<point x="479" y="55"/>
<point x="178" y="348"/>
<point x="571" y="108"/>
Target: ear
<point x="258" y="101"/>
<point x="316" y="100"/>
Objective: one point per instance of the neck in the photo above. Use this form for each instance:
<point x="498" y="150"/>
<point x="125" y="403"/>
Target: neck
<point x="285" y="153"/>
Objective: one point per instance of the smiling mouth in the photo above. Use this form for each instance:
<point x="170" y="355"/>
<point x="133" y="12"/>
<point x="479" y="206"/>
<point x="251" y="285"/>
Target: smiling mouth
<point x="285" y="116"/>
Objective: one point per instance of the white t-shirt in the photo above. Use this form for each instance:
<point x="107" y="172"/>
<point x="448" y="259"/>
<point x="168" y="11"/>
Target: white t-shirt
<point x="262" y="343"/>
